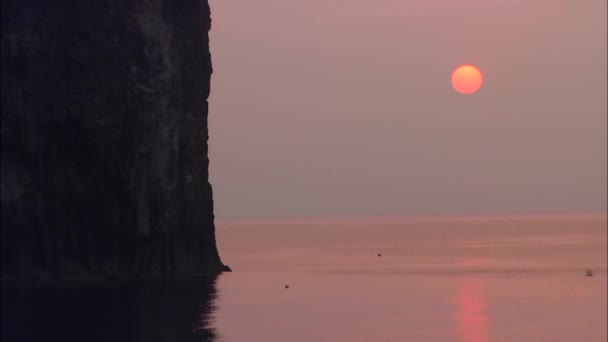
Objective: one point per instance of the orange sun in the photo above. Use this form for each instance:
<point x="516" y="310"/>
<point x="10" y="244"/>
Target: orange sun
<point x="467" y="79"/>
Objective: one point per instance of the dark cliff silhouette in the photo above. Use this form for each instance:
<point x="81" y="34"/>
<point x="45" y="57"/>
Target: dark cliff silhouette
<point x="104" y="139"/>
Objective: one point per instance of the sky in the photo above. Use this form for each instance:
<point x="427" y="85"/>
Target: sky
<point x="345" y="107"/>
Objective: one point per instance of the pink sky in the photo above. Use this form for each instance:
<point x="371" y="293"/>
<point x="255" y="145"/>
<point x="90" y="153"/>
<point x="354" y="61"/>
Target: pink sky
<point x="339" y="108"/>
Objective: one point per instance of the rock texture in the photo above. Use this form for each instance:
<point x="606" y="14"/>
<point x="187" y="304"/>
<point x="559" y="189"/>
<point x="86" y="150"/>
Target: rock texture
<point x="104" y="138"/>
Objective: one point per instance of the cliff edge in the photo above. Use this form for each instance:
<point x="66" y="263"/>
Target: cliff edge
<point x="104" y="166"/>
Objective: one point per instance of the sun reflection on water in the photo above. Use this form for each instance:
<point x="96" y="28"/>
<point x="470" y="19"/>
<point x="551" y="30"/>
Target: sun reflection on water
<point x="471" y="316"/>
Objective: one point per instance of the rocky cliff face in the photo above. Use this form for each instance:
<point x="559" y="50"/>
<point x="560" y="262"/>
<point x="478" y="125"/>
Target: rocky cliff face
<point x="104" y="138"/>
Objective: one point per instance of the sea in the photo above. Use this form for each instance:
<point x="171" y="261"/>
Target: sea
<point x="486" y="278"/>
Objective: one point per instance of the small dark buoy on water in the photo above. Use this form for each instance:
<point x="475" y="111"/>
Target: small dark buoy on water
<point x="589" y="273"/>
<point x="286" y="286"/>
<point x="379" y="254"/>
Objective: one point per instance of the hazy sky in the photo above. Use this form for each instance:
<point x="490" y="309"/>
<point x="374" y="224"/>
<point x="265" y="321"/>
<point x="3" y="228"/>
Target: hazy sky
<point x="345" y="107"/>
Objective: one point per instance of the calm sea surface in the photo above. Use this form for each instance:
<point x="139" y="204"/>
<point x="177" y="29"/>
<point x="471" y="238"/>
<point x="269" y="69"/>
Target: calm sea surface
<point x="463" y="279"/>
<point x="469" y="279"/>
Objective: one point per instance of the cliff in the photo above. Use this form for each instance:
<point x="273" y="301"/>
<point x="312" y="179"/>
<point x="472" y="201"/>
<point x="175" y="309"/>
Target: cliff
<point x="104" y="139"/>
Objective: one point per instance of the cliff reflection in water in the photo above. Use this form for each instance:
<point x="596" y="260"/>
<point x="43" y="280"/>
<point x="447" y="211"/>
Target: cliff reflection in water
<point x="150" y="312"/>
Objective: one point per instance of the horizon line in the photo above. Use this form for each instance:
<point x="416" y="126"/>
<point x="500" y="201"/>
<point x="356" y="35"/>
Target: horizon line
<point x="480" y="216"/>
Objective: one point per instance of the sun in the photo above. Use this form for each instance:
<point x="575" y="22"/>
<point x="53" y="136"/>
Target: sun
<point x="467" y="79"/>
